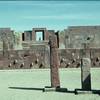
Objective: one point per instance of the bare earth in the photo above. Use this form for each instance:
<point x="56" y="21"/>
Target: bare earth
<point x="28" y="84"/>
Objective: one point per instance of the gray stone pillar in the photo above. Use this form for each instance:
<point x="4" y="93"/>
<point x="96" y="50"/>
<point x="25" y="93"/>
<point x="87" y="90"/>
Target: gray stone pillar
<point x="54" y="62"/>
<point x="85" y="69"/>
<point x="85" y="74"/>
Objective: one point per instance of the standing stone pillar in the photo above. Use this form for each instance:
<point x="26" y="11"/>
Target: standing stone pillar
<point x="85" y="69"/>
<point x="54" y="62"/>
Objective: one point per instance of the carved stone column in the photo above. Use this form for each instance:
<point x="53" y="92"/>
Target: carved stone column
<point x="54" y="61"/>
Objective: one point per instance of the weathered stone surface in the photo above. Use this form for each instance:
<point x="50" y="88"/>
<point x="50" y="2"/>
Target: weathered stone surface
<point x="85" y="70"/>
<point x="34" y="30"/>
<point x="28" y="35"/>
<point x="76" y="35"/>
<point x="5" y="49"/>
<point x="86" y="64"/>
<point x="54" y="61"/>
<point x="86" y="80"/>
<point x="44" y="58"/>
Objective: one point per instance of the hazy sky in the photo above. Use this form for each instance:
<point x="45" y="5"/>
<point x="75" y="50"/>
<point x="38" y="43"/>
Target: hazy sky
<point x="24" y="15"/>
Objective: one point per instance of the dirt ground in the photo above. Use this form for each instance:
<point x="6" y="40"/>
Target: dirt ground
<point x="27" y="84"/>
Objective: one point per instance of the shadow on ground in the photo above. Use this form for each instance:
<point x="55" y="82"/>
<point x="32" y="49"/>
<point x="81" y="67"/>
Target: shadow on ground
<point x="60" y="90"/>
<point x="27" y="88"/>
<point x="82" y="91"/>
<point x="64" y="90"/>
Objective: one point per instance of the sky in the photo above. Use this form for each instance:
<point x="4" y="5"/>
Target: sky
<point x="57" y="15"/>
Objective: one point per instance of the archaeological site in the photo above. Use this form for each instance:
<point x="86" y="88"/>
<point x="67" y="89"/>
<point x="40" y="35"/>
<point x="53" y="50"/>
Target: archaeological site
<point x="26" y="50"/>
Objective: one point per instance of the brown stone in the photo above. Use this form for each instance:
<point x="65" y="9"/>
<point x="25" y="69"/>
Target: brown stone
<point x="54" y="62"/>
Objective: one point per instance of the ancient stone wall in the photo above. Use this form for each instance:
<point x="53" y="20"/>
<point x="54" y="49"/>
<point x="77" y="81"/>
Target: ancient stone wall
<point x="77" y="35"/>
<point x="37" y="57"/>
<point x="28" y="35"/>
<point x="6" y="35"/>
<point x="72" y="57"/>
<point x="37" y="54"/>
<point x="40" y="58"/>
<point x="46" y="34"/>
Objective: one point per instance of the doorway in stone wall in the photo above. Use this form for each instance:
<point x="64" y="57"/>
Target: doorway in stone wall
<point x="39" y="36"/>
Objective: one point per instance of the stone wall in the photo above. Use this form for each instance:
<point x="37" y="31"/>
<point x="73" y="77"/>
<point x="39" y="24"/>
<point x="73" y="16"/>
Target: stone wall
<point x="72" y="57"/>
<point x="28" y="35"/>
<point x="7" y="35"/>
<point x="39" y="57"/>
<point x="36" y="54"/>
<point x="77" y="35"/>
<point x="46" y="34"/>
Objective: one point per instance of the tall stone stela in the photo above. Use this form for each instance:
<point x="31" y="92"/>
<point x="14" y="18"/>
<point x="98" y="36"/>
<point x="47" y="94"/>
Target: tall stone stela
<point x="54" y="62"/>
<point x="85" y="69"/>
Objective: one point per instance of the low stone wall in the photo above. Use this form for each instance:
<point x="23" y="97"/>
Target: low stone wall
<point x="40" y="58"/>
<point x="72" y="57"/>
<point x="24" y="59"/>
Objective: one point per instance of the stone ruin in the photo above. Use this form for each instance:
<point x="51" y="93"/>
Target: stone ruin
<point x="54" y="69"/>
<point x="85" y="70"/>
<point x="36" y="53"/>
<point x="73" y="41"/>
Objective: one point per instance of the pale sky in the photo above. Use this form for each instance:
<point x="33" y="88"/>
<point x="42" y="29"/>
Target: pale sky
<point x="58" y="15"/>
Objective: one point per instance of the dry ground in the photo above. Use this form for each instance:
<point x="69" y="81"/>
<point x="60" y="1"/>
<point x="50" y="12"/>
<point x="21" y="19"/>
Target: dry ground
<point x="28" y="84"/>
